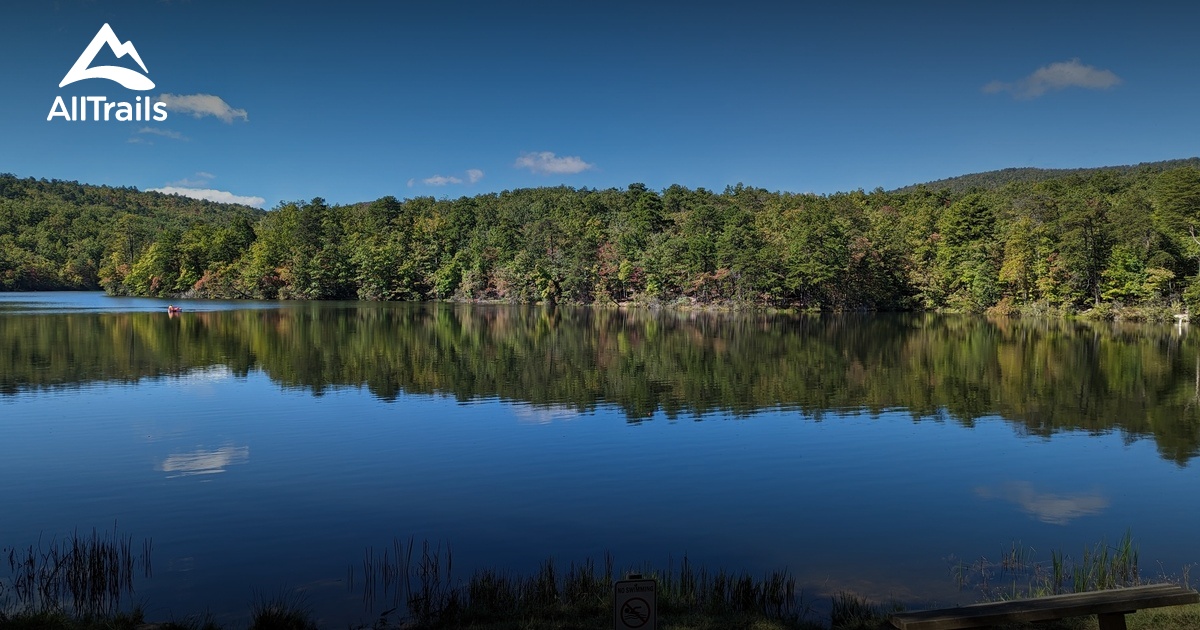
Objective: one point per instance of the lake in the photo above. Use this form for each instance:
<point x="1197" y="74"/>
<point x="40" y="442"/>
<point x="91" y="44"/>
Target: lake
<point x="265" y="446"/>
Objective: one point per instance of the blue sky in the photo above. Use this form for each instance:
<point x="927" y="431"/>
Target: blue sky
<point x="355" y="100"/>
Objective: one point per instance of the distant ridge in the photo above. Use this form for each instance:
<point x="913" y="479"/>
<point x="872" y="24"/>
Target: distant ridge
<point x="62" y="235"/>
<point x="1003" y="177"/>
<point x="119" y="198"/>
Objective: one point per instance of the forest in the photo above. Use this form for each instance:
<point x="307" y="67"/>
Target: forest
<point x="1011" y="241"/>
<point x="57" y="235"/>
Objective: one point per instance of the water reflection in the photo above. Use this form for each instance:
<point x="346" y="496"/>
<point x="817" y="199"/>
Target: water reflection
<point x="207" y="374"/>
<point x="544" y="414"/>
<point x="203" y="462"/>
<point x="1048" y="507"/>
<point x="1042" y="376"/>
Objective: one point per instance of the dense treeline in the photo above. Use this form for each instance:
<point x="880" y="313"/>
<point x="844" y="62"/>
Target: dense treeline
<point x="1031" y="175"/>
<point x="1119" y="236"/>
<point x="65" y="235"/>
<point x="1042" y="375"/>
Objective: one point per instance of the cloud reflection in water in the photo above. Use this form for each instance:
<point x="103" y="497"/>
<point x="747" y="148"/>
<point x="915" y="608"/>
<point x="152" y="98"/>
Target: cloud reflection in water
<point x="203" y="462"/>
<point x="544" y="414"/>
<point x="1048" y="507"/>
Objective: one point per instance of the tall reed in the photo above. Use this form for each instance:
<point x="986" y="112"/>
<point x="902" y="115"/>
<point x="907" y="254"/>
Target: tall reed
<point x="82" y="574"/>
<point x="1018" y="574"/>
<point x="421" y="584"/>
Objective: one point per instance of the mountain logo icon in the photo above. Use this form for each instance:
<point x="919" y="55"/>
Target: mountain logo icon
<point x="131" y="79"/>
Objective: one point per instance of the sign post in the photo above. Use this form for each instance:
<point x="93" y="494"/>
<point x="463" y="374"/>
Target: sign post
<point x="635" y="603"/>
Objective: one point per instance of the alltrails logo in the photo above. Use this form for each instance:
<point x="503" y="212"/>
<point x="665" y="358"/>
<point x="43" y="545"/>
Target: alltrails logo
<point x="139" y="110"/>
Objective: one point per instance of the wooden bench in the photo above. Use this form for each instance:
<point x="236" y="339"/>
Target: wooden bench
<point x="1109" y="607"/>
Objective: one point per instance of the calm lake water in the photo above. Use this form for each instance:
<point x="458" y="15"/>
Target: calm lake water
<point x="265" y="446"/>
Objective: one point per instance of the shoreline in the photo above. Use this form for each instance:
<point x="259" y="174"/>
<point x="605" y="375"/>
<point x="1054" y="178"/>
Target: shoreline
<point x="1114" y="312"/>
<point x="79" y="584"/>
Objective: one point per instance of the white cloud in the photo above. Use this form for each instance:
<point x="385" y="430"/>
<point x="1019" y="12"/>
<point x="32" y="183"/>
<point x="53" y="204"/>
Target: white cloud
<point x="546" y="163"/>
<point x="472" y="175"/>
<point x="201" y="179"/>
<point x="1057" y="76"/>
<point x="200" y="105"/>
<point x="166" y="133"/>
<point x="188" y="182"/>
<point x="441" y="180"/>
<point x="138" y="140"/>
<point x="211" y="195"/>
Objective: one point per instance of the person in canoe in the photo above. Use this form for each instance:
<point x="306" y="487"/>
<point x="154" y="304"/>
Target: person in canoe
<point x="171" y="308"/>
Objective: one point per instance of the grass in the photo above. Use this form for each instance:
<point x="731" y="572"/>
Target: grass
<point x="83" y="575"/>
<point x="421" y="581"/>
<point x="417" y="589"/>
<point x="47" y="619"/>
<point x="1017" y="575"/>
<point x="855" y="613"/>
<point x="282" y="612"/>
<point x="1166" y="618"/>
<point x="851" y="612"/>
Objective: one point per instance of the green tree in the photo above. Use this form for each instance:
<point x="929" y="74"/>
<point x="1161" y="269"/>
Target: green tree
<point x="1177" y="209"/>
<point x="1085" y="244"/>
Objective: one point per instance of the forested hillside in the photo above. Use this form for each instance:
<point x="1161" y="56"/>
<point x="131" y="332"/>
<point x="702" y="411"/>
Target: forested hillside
<point x="1031" y="175"/>
<point x="1125" y="236"/>
<point x="65" y="235"/>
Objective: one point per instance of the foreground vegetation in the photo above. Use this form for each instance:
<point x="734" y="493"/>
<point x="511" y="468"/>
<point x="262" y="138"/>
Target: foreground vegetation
<point x="1008" y="241"/>
<point x="854" y="614"/>
<point x="417" y="581"/>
